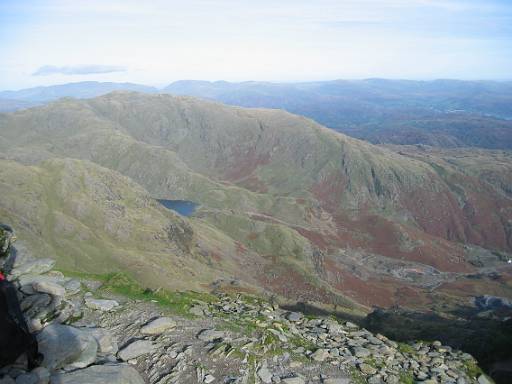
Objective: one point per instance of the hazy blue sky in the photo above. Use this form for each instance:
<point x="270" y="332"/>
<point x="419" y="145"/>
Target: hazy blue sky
<point x="156" y="42"/>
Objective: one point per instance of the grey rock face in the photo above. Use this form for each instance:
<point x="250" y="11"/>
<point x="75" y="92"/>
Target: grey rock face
<point x="136" y="349"/>
<point x="177" y="350"/>
<point x="38" y="266"/>
<point x="63" y="345"/>
<point x="100" y="374"/>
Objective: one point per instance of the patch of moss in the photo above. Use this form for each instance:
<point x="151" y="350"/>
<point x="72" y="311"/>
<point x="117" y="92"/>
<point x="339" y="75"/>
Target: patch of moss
<point x="405" y="348"/>
<point x="357" y="377"/>
<point x="120" y="283"/>
<point x="472" y="369"/>
<point x="298" y="341"/>
<point x="406" y="378"/>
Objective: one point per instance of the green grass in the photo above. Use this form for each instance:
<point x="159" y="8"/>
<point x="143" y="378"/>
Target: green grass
<point x="357" y="377"/>
<point x="472" y="369"/>
<point x="406" y="378"/>
<point x="405" y="348"/>
<point x="120" y="283"/>
<point x="298" y="341"/>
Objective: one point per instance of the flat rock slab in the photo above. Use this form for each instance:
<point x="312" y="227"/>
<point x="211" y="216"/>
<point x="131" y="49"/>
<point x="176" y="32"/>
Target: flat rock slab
<point x="136" y="349"/>
<point x="293" y="380"/>
<point x="63" y="345"/>
<point x="100" y="374"/>
<point x="158" y="326"/>
<point x="101" y="304"/>
<point x="210" y="335"/>
<point x="38" y="266"/>
<point x="337" y="380"/>
<point x="53" y="289"/>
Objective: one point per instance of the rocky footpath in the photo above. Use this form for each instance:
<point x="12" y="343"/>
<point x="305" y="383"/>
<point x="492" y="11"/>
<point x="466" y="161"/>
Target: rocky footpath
<point x="89" y="334"/>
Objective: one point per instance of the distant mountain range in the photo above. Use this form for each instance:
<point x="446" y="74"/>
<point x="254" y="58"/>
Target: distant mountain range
<point x="81" y="90"/>
<point x="442" y="113"/>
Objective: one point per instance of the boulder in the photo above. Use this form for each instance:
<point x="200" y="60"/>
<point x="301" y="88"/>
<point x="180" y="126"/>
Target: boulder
<point x="265" y="375"/>
<point x="49" y="288"/>
<point x="30" y="279"/>
<point x="320" y="355"/>
<point x="105" y="340"/>
<point x="63" y="345"/>
<point x="101" y="304"/>
<point x="361" y="352"/>
<point x="367" y="369"/>
<point x="72" y="287"/>
<point x="136" y="349"/>
<point x="210" y="335"/>
<point x="158" y="326"/>
<point x="294" y="316"/>
<point x="197" y="310"/>
<point x="351" y="325"/>
<point x="483" y="379"/>
<point x="39" y="375"/>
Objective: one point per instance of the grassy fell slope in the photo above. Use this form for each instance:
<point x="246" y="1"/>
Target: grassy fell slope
<point x="94" y="220"/>
<point x="284" y="193"/>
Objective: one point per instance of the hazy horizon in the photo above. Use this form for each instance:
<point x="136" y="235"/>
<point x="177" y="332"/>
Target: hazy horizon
<point x="164" y="84"/>
<point x="47" y="42"/>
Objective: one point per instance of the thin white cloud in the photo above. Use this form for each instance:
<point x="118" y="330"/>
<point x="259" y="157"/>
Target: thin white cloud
<point x="47" y="70"/>
<point x="164" y="40"/>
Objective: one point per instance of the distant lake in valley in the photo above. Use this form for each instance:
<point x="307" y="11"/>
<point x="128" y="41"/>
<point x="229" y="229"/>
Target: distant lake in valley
<point x="183" y="207"/>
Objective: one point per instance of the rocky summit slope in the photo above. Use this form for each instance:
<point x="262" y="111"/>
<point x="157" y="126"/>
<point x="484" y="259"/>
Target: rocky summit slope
<point x="286" y="205"/>
<point x="112" y="331"/>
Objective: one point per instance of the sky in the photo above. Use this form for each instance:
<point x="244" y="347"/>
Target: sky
<point x="156" y="42"/>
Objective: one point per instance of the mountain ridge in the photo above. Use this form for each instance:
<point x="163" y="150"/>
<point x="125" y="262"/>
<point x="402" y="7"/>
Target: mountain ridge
<point x="298" y="198"/>
<point x="443" y="113"/>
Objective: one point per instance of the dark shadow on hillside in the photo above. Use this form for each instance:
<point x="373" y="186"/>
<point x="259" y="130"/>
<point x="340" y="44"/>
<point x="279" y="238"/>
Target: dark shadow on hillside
<point x="489" y="340"/>
<point x="309" y="309"/>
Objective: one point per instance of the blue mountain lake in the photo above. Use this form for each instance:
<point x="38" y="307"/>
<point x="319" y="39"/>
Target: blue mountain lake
<point x="183" y="207"/>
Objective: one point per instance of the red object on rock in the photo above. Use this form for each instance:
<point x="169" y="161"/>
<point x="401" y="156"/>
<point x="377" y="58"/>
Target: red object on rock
<point x="2" y="277"/>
